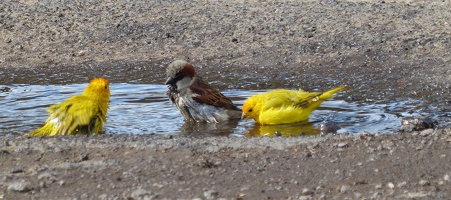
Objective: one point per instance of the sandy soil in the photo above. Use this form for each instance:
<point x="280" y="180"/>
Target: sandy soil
<point x="381" y="49"/>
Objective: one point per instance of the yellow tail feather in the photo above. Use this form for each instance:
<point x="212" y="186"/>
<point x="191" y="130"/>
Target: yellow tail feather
<point x="330" y="93"/>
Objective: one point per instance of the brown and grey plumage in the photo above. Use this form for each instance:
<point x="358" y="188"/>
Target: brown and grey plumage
<point x="196" y="99"/>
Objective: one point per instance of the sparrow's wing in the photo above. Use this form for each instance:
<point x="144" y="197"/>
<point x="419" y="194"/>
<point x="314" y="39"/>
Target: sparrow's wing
<point x="204" y="93"/>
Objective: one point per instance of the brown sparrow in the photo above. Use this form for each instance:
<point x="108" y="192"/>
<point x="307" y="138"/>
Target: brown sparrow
<point x="196" y="99"/>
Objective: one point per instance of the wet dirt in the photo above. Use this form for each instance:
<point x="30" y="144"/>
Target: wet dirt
<point x="385" y="51"/>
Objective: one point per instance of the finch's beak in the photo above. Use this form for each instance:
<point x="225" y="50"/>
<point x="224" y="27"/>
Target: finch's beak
<point x="244" y="117"/>
<point x="170" y="81"/>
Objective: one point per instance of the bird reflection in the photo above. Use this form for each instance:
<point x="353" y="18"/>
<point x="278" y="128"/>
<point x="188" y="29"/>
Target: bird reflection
<point x="297" y="129"/>
<point x="216" y="129"/>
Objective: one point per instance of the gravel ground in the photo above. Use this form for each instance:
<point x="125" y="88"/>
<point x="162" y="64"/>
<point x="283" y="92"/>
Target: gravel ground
<point x="381" y="49"/>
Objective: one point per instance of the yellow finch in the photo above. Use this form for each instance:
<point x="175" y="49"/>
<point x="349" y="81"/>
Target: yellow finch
<point x="80" y="114"/>
<point x="284" y="106"/>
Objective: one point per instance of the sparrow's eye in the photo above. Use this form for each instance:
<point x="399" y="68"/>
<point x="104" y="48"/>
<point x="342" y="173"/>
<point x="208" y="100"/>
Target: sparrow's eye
<point x="250" y="110"/>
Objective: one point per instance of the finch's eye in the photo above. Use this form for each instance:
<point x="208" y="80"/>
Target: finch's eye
<point x="250" y="110"/>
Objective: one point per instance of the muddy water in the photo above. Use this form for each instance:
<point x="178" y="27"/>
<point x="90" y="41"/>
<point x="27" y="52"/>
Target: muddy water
<point x="145" y="109"/>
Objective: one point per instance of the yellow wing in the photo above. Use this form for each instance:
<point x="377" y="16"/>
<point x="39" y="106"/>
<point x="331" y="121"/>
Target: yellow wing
<point x="288" y="98"/>
<point x="78" y="114"/>
<point x="288" y="106"/>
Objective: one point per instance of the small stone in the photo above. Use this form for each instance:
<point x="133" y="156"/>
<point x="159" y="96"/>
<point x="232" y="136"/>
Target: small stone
<point x="344" y="188"/>
<point x="409" y="124"/>
<point x="140" y="194"/>
<point x="245" y="188"/>
<point x="424" y="183"/>
<point x="17" y="170"/>
<point x="446" y="177"/>
<point x="5" y="89"/>
<point x="343" y="144"/>
<point x="426" y="132"/>
<point x="18" y="187"/>
<point x="307" y="191"/>
<point x="305" y="197"/>
<point x="329" y="127"/>
<point x="319" y="187"/>
<point x="277" y="133"/>
<point x="391" y="185"/>
<point x="211" y="194"/>
<point x="48" y="177"/>
<point x="103" y="196"/>
<point x="358" y="195"/>
<point x="83" y="157"/>
<point x="378" y="186"/>
<point x="402" y="184"/>
<point x="334" y="160"/>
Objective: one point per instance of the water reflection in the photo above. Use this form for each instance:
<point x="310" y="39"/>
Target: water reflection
<point x="215" y="129"/>
<point x="297" y="129"/>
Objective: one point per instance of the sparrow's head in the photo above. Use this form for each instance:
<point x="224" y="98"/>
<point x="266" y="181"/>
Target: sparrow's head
<point x="180" y="74"/>
<point x="251" y="108"/>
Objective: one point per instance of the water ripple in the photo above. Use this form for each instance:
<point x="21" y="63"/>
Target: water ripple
<point x="145" y="109"/>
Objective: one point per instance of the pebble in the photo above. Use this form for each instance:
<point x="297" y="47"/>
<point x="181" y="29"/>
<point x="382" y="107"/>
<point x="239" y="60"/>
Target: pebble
<point x="343" y="144"/>
<point x="47" y="177"/>
<point x="391" y="185"/>
<point x="306" y="197"/>
<point x="211" y="194"/>
<point x="18" y="187"/>
<point x="424" y="183"/>
<point x="344" y="188"/>
<point x="427" y="132"/>
<point x="307" y="191"/>
<point x="409" y="124"/>
<point x="17" y="170"/>
<point x="103" y="197"/>
<point x="83" y="157"/>
<point x="329" y="127"/>
<point x="140" y="194"/>
<point x="402" y="184"/>
<point x="378" y="186"/>
<point x="446" y="177"/>
<point x="358" y="195"/>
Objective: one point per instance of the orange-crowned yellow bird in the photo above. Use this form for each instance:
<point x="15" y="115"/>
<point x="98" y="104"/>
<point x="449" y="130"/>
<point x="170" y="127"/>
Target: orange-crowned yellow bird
<point x="80" y="114"/>
<point x="284" y="106"/>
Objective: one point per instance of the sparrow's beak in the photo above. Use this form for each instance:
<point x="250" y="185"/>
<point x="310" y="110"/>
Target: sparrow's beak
<point x="244" y="117"/>
<point x="170" y="81"/>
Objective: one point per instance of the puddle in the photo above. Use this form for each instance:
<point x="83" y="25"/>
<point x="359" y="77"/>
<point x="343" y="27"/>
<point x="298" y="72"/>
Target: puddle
<point x="145" y="109"/>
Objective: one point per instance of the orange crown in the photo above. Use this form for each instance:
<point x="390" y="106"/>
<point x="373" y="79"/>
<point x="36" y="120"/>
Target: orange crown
<point x="100" y="80"/>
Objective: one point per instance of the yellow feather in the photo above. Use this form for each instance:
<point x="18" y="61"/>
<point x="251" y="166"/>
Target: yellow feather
<point x="285" y="106"/>
<point x="80" y="114"/>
